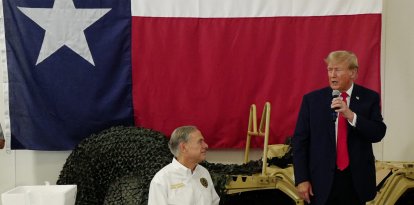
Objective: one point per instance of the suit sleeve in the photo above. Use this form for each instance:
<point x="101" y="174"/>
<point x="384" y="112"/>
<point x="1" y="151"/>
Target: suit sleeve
<point x="371" y="126"/>
<point x="300" y="143"/>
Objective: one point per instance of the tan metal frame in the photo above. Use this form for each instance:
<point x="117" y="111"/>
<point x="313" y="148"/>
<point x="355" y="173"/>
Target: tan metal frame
<point x="271" y="177"/>
<point x="262" y="132"/>
<point x="401" y="179"/>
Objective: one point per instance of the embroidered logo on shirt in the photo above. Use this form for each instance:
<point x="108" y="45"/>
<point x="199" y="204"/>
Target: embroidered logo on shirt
<point x="176" y="186"/>
<point x="204" y="182"/>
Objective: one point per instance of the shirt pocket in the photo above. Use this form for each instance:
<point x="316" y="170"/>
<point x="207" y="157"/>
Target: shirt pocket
<point x="180" y="196"/>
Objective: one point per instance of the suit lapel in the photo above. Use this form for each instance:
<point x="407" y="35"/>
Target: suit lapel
<point x="355" y="98"/>
<point x="330" y="121"/>
<point x="354" y="105"/>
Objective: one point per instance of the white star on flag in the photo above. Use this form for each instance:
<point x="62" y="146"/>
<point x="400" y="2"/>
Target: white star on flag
<point x="64" y="26"/>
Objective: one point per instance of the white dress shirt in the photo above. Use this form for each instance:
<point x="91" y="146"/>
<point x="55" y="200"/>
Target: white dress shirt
<point x="175" y="184"/>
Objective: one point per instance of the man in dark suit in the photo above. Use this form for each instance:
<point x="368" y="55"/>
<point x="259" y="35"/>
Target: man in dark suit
<point x="332" y="145"/>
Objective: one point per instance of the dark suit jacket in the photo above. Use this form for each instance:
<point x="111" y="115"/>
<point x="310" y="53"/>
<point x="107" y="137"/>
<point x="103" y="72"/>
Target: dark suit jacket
<point x="314" y="143"/>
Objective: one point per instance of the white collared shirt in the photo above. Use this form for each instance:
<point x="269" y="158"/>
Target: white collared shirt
<point x="175" y="184"/>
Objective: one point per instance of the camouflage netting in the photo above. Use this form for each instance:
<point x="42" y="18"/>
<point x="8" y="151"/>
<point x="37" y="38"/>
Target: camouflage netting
<point x="221" y="172"/>
<point x="104" y="160"/>
<point x="116" y="166"/>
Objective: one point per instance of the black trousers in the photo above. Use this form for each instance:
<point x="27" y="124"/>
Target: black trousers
<point x="343" y="191"/>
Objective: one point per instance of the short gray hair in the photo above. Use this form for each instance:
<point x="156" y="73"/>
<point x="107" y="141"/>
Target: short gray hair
<point x="180" y="134"/>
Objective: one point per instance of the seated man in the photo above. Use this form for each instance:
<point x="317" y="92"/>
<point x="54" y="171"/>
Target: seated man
<point x="184" y="181"/>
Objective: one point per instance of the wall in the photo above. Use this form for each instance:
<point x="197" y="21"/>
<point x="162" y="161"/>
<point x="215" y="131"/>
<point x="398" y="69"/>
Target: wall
<point x="34" y="167"/>
<point x="398" y="82"/>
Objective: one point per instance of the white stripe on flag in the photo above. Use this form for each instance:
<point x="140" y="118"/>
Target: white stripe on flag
<point x="4" y="96"/>
<point x="252" y="8"/>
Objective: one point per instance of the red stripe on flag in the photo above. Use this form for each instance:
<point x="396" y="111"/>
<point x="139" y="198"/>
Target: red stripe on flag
<point x="208" y="71"/>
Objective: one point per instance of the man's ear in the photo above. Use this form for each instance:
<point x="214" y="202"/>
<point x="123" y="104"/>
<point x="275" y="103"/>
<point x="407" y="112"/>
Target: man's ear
<point x="354" y="74"/>
<point x="182" y="147"/>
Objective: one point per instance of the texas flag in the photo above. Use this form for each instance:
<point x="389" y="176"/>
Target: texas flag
<point x="76" y="67"/>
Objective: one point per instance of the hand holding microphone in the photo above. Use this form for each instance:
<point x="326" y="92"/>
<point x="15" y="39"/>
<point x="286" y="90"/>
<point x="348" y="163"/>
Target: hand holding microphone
<point x="335" y="95"/>
<point x="337" y="102"/>
<point x="339" y="105"/>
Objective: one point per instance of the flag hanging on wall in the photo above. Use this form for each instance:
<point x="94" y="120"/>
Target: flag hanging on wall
<point x="75" y="67"/>
<point x="69" y="70"/>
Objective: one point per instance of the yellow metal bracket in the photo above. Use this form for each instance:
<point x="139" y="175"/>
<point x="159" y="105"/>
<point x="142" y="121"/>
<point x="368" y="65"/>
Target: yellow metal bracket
<point x="262" y="132"/>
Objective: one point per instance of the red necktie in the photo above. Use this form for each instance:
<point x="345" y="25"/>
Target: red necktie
<point x="342" y="158"/>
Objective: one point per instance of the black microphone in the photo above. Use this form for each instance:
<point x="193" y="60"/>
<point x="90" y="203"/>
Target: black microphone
<point x="335" y="94"/>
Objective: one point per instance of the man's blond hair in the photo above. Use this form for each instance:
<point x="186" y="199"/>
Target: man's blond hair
<point x="343" y="56"/>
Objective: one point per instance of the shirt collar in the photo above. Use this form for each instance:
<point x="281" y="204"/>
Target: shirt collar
<point x="181" y="168"/>
<point x="349" y="91"/>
